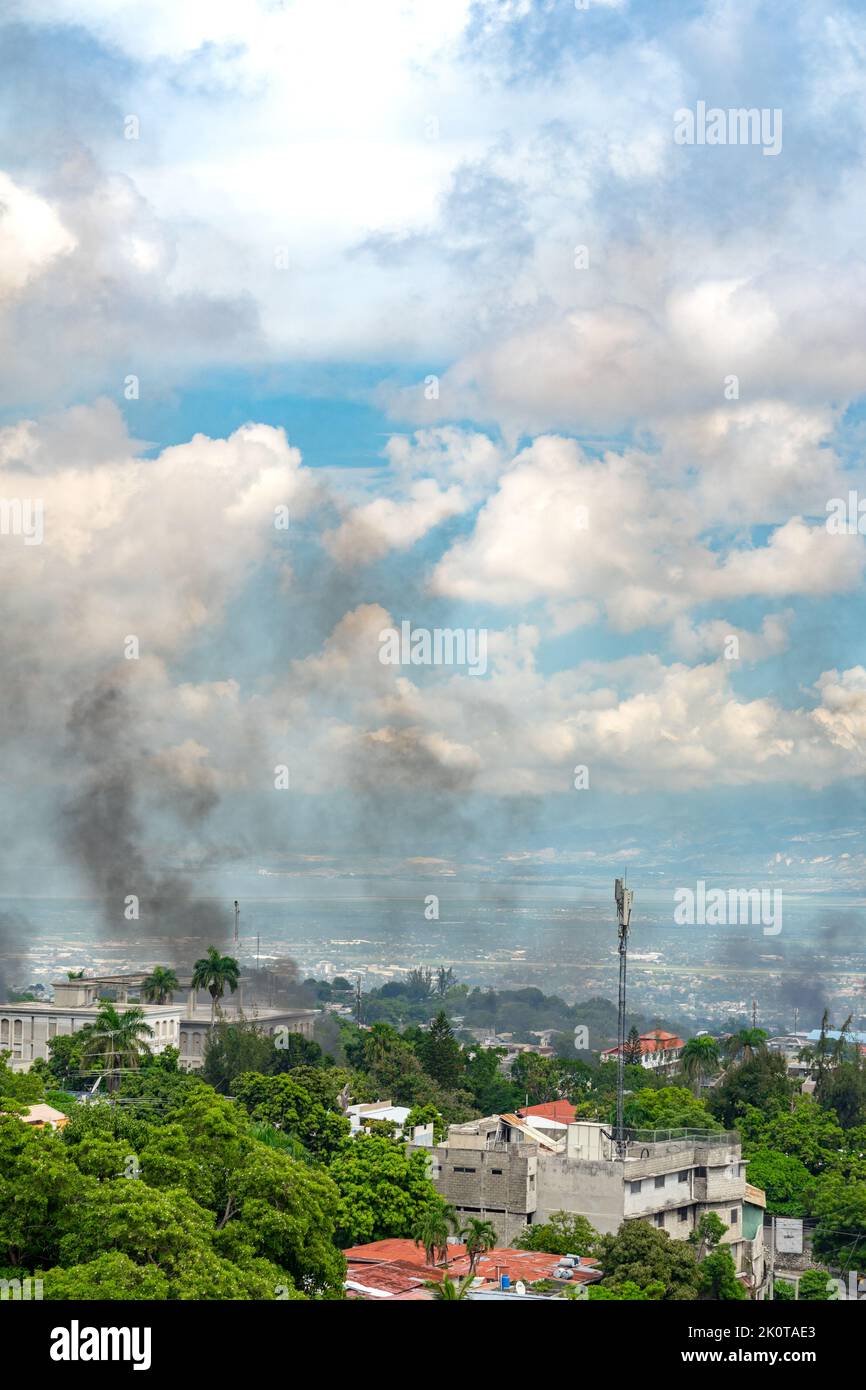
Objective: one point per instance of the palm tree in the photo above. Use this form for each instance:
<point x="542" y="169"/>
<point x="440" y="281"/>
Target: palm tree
<point x="117" y="1040"/>
<point x="213" y="972"/>
<point x="446" y="1290"/>
<point x="746" y="1044"/>
<point x="434" y="1225"/>
<point x="479" y="1237"/>
<point x="159" y="985"/>
<point x="699" y="1059"/>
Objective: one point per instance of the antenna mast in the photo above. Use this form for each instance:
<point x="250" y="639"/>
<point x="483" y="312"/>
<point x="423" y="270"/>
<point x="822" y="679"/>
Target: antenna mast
<point x="623" y="917"/>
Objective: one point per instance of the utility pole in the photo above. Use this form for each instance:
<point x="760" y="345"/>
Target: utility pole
<point x="754" y="1013"/>
<point x="237" y="915"/>
<point x="623" y="916"/>
<point x="358" y="1001"/>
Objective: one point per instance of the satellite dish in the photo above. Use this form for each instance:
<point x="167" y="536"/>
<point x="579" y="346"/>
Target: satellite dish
<point x="520" y="1287"/>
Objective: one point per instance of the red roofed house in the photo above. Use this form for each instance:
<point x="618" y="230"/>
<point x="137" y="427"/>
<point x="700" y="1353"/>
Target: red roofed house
<point x="659" y="1051"/>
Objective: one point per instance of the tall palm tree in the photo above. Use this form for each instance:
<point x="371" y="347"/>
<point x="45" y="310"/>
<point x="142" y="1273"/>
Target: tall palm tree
<point x="745" y="1044"/>
<point x="159" y="985"/>
<point x="479" y="1237"/>
<point x="447" y="1290"/>
<point x="213" y="972"/>
<point x="699" y="1059"/>
<point x="117" y="1040"/>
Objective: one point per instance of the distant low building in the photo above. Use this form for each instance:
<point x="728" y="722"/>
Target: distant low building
<point x="44" y="1117"/>
<point x="659" y="1051"/>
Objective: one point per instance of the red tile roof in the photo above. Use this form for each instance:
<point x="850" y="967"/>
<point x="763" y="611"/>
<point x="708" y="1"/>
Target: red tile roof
<point x="561" y="1110"/>
<point x="658" y="1041"/>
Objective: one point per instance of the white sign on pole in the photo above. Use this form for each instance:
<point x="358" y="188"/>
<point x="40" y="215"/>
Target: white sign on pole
<point x="789" y="1235"/>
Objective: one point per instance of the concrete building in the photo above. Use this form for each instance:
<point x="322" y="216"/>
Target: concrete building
<point x="512" y="1173"/>
<point x="27" y="1029"/>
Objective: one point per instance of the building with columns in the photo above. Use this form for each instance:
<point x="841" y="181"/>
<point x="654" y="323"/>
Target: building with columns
<point x="27" y="1028"/>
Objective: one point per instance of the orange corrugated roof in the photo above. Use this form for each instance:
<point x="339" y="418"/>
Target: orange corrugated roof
<point x="561" y="1110"/>
<point x="404" y="1250"/>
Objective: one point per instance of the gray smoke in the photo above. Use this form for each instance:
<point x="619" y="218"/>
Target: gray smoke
<point x="102" y="828"/>
<point x="15" y="933"/>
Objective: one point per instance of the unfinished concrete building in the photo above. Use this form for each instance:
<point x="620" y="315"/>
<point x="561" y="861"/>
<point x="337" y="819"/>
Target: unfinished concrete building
<point x="513" y="1174"/>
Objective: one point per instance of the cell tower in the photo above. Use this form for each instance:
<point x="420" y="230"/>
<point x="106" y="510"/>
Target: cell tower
<point x="624" y="900"/>
<point x="237" y="915"/>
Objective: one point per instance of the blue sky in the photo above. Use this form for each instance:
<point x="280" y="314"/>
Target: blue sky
<point x="323" y="210"/>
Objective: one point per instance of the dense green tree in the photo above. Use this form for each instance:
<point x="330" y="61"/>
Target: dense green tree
<point x="673" y="1107"/>
<point x="20" y="1089"/>
<point x="643" y="1255"/>
<point x="64" y="1059"/>
<point x="627" y="1291"/>
<point x="786" y="1181"/>
<point x="564" y="1233"/>
<point x="840" y="1209"/>
<point x="39" y="1188"/>
<point x="441" y="1054"/>
<point x="109" y="1276"/>
<point x="280" y="1101"/>
<point x="806" y="1132"/>
<point x="842" y="1092"/>
<point x="707" y="1233"/>
<point x="292" y="1050"/>
<point x="761" y="1081"/>
<point x="426" y="1115"/>
<point x="815" y="1285"/>
<point x="717" y="1277"/>
<point x="235" y="1048"/>
<point x="383" y="1189"/>
<point x="491" y="1091"/>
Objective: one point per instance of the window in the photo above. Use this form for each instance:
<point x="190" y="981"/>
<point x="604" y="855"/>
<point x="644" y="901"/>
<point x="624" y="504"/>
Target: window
<point x="683" y="1176"/>
<point x="734" y="1216"/>
<point x="700" y="1172"/>
<point x="660" y="1182"/>
<point x="497" y="1172"/>
<point x="683" y="1213"/>
<point x="659" y="1218"/>
<point x="464" y="1170"/>
<point x="634" y="1187"/>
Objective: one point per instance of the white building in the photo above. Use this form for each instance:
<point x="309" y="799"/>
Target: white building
<point x="27" y="1029"/>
